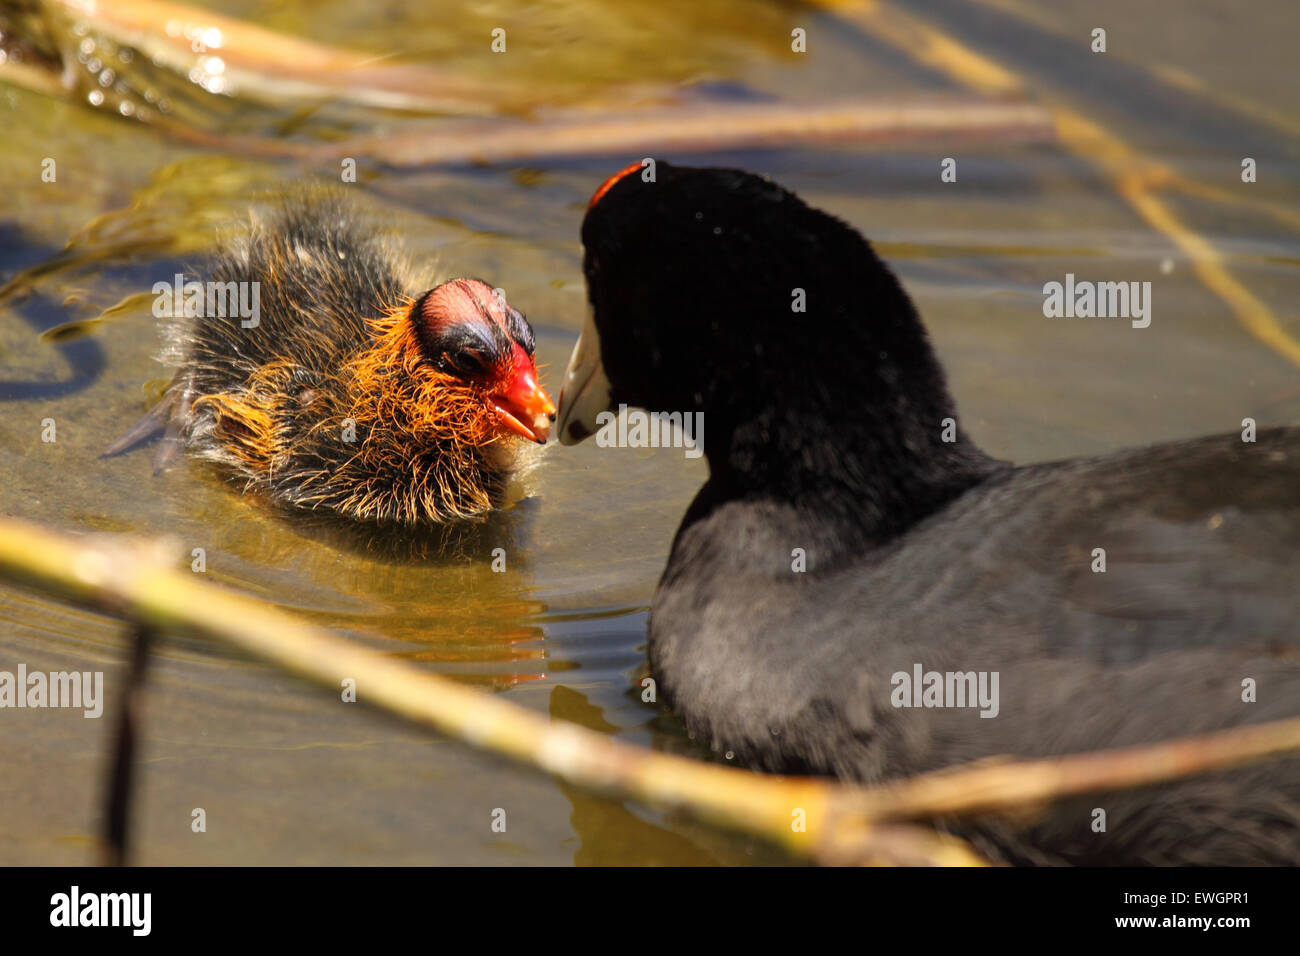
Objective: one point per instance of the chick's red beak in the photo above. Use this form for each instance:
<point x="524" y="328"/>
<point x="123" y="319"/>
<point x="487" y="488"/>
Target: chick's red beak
<point x="523" y="405"/>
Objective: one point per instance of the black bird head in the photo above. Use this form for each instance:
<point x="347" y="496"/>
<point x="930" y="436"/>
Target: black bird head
<point x="719" y="291"/>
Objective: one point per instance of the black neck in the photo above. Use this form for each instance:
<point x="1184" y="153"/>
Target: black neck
<point x="859" y="481"/>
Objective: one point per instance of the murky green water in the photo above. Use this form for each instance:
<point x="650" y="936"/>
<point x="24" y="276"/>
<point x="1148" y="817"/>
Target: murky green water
<point x="286" y="773"/>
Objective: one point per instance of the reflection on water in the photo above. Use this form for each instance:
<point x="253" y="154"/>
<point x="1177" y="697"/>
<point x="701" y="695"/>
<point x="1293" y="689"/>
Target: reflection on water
<point x="289" y="774"/>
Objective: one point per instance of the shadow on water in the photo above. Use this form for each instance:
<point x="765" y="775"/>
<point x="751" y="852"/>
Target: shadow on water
<point x="84" y="358"/>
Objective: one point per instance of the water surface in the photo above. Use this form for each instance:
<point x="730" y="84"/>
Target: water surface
<point x="288" y="774"/>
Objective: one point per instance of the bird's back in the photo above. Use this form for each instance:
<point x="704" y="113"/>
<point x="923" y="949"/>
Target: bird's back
<point x="319" y="276"/>
<point x="1189" y="626"/>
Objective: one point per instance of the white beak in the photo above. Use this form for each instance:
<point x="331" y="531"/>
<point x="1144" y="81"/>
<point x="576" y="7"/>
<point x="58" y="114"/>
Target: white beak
<point x="584" y="393"/>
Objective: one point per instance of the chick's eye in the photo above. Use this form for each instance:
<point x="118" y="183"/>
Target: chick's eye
<point x="465" y="363"/>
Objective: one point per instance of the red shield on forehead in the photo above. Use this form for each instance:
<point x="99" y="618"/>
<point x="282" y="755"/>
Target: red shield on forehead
<point x="608" y="184"/>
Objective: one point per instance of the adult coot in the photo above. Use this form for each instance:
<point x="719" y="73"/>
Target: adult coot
<point x="858" y="590"/>
<point x="344" y="392"/>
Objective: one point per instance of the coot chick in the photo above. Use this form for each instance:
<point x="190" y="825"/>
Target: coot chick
<point x="842" y="550"/>
<point x="345" y="393"/>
